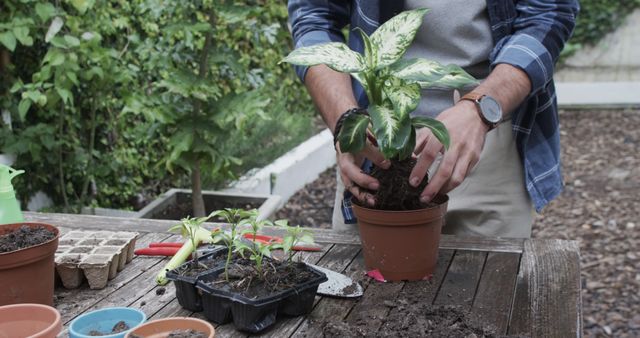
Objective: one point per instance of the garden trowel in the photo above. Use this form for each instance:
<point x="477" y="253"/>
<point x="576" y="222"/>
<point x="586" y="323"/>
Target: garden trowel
<point x="337" y="285"/>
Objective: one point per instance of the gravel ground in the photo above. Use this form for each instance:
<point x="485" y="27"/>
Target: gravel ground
<point x="599" y="208"/>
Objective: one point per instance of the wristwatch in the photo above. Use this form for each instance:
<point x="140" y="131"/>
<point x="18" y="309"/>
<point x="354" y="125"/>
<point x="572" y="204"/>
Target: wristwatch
<point x="488" y="108"/>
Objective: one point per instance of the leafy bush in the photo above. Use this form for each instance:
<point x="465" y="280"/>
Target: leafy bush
<point x="596" y="19"/>
<point x="71" y="71"/>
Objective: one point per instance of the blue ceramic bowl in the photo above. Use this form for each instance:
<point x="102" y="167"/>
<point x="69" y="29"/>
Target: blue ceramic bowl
<point x="104" y="320"/>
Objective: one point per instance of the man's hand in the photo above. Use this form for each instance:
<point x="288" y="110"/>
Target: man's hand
<point x="467" y="133"/>
<point x="352" y="175"/>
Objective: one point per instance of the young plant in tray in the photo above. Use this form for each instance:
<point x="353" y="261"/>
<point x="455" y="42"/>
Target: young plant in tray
<point x="392" y="85"/>
<point x="295" y="235"/>
<point x="231" y="239"/>
<point x="189" y="229"/>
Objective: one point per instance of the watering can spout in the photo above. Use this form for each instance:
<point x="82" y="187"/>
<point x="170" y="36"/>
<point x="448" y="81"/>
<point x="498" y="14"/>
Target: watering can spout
<point x="6" y="175"/>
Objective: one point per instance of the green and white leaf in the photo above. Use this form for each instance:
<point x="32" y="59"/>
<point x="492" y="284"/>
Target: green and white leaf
<point x="353" y="135"/>
<point x="431" y="74"/>
<point x="403" y="95"/>
<point x="437" y="128"/>
<point x="392" y="131"/>
<point x="392" y="39"/>
<point x="54" y="28"/>
<point x="370" y="53"/>
<point x="408" y="148"/>
<point x="336" y="55"/>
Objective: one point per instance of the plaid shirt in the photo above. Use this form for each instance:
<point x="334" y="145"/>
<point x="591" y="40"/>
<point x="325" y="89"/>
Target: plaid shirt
<point x="528" y="34"/>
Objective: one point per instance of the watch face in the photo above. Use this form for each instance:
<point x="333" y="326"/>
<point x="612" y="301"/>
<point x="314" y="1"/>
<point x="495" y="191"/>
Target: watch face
<point x="490" y="109"/>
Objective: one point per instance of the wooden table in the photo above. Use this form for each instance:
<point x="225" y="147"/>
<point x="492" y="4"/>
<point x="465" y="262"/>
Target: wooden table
<point x="522" y="287"/>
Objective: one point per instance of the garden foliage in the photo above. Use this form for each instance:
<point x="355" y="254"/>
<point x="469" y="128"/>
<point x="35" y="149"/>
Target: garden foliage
<point x="105" y="96"/>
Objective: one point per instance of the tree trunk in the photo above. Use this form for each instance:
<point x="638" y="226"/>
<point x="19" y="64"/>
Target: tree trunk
<point x="196" y="191"/>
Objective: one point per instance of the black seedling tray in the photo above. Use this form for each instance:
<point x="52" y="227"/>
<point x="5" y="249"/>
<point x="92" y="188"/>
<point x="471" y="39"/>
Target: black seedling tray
<point x="186" y="292"/>
<point x="256" y="314"/>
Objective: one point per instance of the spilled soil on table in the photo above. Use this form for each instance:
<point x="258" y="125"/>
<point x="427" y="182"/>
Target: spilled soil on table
<point x="407" y="319"/>
<point x="24" y="237"/>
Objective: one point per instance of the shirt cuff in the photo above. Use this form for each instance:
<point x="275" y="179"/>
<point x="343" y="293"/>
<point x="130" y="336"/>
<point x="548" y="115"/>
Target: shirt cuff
<point x="530" y="55"/>
<point x="311" y="38"/>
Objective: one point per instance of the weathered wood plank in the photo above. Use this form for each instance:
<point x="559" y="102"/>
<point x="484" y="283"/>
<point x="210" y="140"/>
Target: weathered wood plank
<point x="71" y="303"/>
<point x="321" y="235"/>
<point x="172" y="309"/>
<point x="494" y="296"/>
<point x="460" y="282"/>
<point x="548" y="301"/>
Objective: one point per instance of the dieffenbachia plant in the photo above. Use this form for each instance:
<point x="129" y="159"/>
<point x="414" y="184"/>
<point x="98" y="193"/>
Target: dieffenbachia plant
<point x="392" y="85"/>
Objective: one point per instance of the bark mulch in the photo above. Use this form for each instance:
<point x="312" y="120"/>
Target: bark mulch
<point x="599" y="207"/>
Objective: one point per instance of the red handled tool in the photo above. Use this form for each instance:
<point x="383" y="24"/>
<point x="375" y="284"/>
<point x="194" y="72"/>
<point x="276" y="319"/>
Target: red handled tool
<point x="266" y="239"/>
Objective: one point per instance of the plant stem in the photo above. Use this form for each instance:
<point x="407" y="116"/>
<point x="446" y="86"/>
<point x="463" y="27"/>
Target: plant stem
<point x="196" y="190"/>
<point x="63" y="188"/>
<point x="92" y="137"/>
<point x="196" y="183"/>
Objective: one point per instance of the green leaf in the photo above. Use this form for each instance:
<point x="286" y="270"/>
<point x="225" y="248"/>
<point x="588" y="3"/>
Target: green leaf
<point x="81" y="5"/>
<point x="392" y="39"/>
<point x="404" y="96"/>
<point x="429" y="74"/>
<point x="54" y="28"/>
<point x="54" y="57"/>
<point x="22" y="34"/>
<point x="8" y="40"/>
<point x="335" y="55"/>
<point x="353" y="135"/>
<point x="370" y="53"/>
<point x="392" y="130"/>
<point x="72" y="41"/>
<point x="45" y="10"/>
<point x="408" y="149"/>
<point x="65" y="95"/>
<point x="73" y="78"/>
<point x="23" y="108"/>
<point x="437" y="128"/>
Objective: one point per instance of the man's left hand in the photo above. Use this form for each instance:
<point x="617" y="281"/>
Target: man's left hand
<point x="467" y="132"/>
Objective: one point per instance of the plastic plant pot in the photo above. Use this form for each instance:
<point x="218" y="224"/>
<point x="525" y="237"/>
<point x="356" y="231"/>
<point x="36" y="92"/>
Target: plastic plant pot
<point x="29" y="320"/>
<point x="163" y="327"/>
<point x="256" y="314"/>
<point x="104" y="320"/>
<point x="186" y="292"/>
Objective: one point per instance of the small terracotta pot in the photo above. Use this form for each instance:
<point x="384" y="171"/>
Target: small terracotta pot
<point x="29" y="320"/>
<point x="162" y="327"/>
<point x="402" y="245"/>
<point x="27" y="275"/>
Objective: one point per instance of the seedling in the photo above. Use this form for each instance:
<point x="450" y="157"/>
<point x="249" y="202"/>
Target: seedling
<point x="295" y="235"/>
<point x="234" y="217"/>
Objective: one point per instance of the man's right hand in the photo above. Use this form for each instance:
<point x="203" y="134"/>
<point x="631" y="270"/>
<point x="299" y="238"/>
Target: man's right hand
<point x="354" y="177"/>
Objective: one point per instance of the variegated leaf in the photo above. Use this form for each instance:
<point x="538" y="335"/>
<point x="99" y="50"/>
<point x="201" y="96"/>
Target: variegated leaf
<point x="404" y="96"/>
<point x="336" y="55"/>
<point x="437" y="128"/>
<point x="353" y="135"/>
<point x="361" y="78"/>
<point x="407" y="150"/>
<point x="392" y="39"/>
<point x="370" y="53"/>
<point x="430" y="74"/>
<point x="392" y="130"/>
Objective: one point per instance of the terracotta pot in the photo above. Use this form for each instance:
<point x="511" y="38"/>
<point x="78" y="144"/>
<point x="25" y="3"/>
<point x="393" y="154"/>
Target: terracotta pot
<point x="402" y="245"/>
<point x="27" y="275"/>
<point x="162" y="327"/>
<point x="29" y="320"/>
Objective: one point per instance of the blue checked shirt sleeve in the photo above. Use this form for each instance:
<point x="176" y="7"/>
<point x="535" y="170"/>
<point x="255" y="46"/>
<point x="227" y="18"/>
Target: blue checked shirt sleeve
<point x="314" y="22"/>
<point x="540" y="30"/>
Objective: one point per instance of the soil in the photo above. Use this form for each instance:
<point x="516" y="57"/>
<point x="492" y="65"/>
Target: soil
<point x="187" y="333"/>
<point x="25" y="237"/>
<point x="183" y="209"/>
<point x="395" y="192"/>
<point x="207" y="263"/>
<point x="413" y="320"/>
<point x="120" y="326"/>
<point x="598" y="208"/>
<point x="277" y="276"/>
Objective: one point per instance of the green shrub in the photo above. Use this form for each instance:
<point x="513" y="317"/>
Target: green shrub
<point x="596" y="19"/>
<point x="70" y="70"/>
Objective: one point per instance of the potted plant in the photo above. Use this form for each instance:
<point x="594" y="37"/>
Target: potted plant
<point x="399" y="234"/>
<point x="254" y="288"/>
<point x="27" y="250"/>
